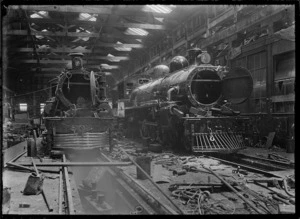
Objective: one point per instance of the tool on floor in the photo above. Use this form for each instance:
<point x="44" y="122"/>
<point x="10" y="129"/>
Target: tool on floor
<point x="34" y="185"/>
<point x="37" y="180"/>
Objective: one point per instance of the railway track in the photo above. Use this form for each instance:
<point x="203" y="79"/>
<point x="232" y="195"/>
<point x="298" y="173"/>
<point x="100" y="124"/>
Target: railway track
<point x="115" y="193"/>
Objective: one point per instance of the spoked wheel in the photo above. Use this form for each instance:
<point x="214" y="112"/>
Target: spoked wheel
<point x="149" y="132"/>
<point x="144" y="131"/>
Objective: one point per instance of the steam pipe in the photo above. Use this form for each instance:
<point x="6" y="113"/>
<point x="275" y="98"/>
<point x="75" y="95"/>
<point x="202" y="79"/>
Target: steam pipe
<point x="169" y="92"/>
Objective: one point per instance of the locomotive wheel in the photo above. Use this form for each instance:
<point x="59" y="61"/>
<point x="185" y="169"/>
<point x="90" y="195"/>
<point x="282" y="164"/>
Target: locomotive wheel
<point x="144" y="131"/>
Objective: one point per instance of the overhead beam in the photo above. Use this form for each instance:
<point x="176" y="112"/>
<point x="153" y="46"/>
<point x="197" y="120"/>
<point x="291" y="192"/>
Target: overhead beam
<point x="73" y="34"/>
<point x="33" y="61"/>
<point x="93" y="9"/>
<point x="59" y="50"/>
<point x="258" y="17"/>
<point x="69" y="50"/>
<point x="66" y="57"/>
<point x="108" y="24"/>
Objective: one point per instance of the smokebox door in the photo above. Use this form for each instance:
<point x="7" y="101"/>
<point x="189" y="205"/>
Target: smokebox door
<point x="237" y="86"/>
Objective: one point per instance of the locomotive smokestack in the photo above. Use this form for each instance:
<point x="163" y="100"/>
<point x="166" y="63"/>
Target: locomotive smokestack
<point x="77" y="62"/>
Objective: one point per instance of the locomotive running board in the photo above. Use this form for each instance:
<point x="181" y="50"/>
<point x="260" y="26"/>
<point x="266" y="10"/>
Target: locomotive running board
<point x="217" y="142"/>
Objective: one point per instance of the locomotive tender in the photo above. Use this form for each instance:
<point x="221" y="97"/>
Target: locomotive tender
<point x="188" y="106"/>
<point x="78" y="116"/>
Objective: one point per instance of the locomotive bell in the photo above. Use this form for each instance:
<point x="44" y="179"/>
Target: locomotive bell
<point x="77" y="62"/>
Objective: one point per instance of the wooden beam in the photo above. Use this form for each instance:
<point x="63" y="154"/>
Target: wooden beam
<point x="33" y="61"/>
<point x="93" y="9"/>
<point x="257" y="17"/>
<point x="108" y="24"/>
<point x="59" y="50"/>
<point x="66" y="57"/>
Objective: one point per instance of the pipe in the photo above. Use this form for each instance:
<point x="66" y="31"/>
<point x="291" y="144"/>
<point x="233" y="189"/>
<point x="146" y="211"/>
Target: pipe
<point x="149" y="177"/>
<point x="235" y="191"/>
<point x="169" y="92"/>
<point x="29" y="169"/>
<point x="68" y="188"/>
<point x="72" y="164"/>
<point x="60" y="193"/>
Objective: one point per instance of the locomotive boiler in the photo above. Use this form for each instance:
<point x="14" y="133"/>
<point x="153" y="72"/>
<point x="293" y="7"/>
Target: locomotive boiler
<point x="188" y="105"/>
<point x="78" y="116"/>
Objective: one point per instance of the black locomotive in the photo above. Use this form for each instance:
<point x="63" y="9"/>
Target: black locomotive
<point x="188" y="105"/>
<point x="79" y="115"/>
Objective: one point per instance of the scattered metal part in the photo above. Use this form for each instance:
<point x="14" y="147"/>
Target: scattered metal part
<point x="24" y="205"/>
<point x="236" y="192"/>
<point x="152" y="181"/>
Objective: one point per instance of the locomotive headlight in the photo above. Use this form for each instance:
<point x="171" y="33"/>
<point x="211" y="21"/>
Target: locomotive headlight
<point x="205" y="57"/>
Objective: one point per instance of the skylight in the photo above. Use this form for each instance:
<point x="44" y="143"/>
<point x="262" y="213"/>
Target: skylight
<point x="124" y="49"/>
<point x="136" y="31"/>
<point x="39" y="37"/>
<point x="38" y="15"/>
<point x="159" y="8"/>
<point x="86" y="16"/>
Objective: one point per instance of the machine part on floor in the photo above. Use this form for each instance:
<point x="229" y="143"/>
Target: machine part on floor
<point x="179" y="172"/>
<point x="161" y="207"/>
<point x="145" y="163"/>
<point x="292" y="201"/>
<point x="149" y="177"/>
<point x="243" y="166"/>
<point x="235" y="191"/>
<point x="259" y="199"/>
<point x="276" y="197"/>
<point x="70" y="203"/>
<point x="24" y="205"/>
<point x="287" y="209"/>
<point x="81" y="164"/>
<point x="285" y="187"/>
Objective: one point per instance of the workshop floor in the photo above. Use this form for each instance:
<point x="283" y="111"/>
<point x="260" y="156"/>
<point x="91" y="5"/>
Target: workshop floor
<point x="35" y="204"/>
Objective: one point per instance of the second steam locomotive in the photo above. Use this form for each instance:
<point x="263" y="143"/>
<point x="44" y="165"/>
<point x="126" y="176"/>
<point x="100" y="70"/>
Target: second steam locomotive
<point x="188" y="105"/>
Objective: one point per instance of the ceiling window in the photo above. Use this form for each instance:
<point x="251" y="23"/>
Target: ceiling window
<point x="86" y="16"/>
<point x="112" y="58"/>
<point x="42" y="106"/>
<point x="124" y="49"/>
<point x="136" y="31"/>
<point x="40" y="14"/>
<point x="23" y="107"/>
<point x="159" y="8"/>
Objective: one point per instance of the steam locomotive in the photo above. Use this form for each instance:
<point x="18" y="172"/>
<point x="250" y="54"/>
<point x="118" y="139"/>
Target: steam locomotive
<point x="79" y="115"/>
<point x="189" y="106"/>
